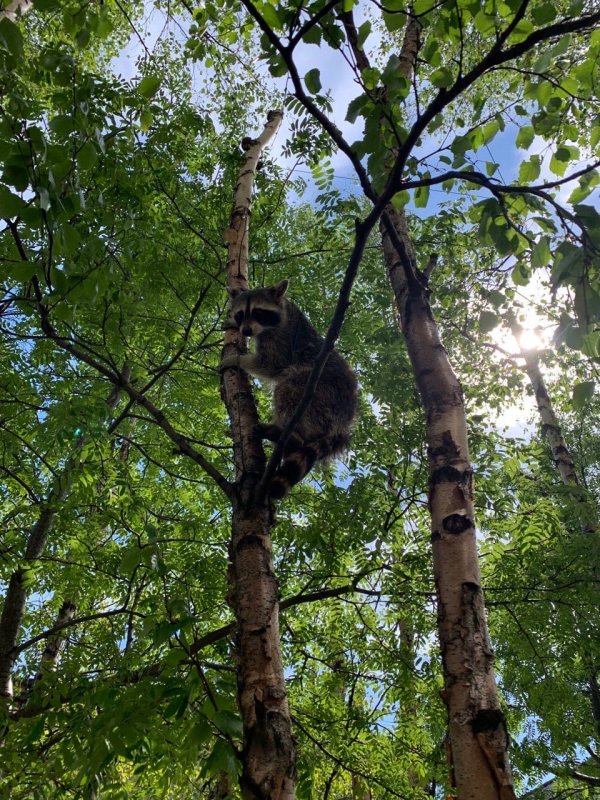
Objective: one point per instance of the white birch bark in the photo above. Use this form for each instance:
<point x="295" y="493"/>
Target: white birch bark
<point x="268" y="758"/>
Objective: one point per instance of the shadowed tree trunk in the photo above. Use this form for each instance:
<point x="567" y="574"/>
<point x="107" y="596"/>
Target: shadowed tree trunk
<point x="269" y="753"/>
<point x="55" y="644"/>
<point x="15" y="599"/>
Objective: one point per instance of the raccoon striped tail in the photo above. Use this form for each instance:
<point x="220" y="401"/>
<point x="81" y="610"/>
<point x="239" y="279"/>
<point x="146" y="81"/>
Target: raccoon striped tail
<point x="299" y="459"/>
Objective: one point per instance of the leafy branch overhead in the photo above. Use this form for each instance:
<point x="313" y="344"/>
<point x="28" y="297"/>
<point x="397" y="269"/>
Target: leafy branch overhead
<point x="430" y="189"/>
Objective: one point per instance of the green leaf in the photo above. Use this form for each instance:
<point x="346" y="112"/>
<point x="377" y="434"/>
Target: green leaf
<point x="586" y="184"/>
<point x="200" y="733"/>
<point x="10" y="204"/>
<point x="22" y="273"/>
<point x="17" y="176"/>
<point x="62" y="125"/>
<point x="568" y="263"/>
<point x="222" y="759"/>
<point x="130" y="560"/>
<point x="541" y="254"/>
<point x="277" y="67"/>
<point x="146" y="120"/>
<point x="430" y="52"/>
<point x="545" y="13"/>
<point x="10" y="37"/>
<point x="394" y="22"/>
<point x="488" y="321"/>
<point x="313" y="35"/>
<point x="530" y="170"/>
<point x="525" y="137"/>
<point x="496" y="298"/>
<point x="228" y="722"/>
<point x="70" y="239"/>
<point x="400" y="199"/>
<point x="272" y="16"/>
<point x="520" y="274"/>
<point x="87" y="155"/>
<point x="442" y="78"/>
<point x="363" y="32"/>
<point x="175" y="656"/>
<point x="312" y="79"/>
<point x="355" y="107"/>
<point x="561" y="158"/>
<point x="149" y="85"/>
<point x="370" y="77"/>
<point x="582" y="393"/>
<point x="421" y="196"/>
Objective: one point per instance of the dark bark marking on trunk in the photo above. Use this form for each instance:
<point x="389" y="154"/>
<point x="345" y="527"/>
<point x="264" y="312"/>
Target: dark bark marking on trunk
<point x="445" y="474"/>
<point x="457" y="523"/>
<point x="249" y="541"/>
<point x="488" y="719"/>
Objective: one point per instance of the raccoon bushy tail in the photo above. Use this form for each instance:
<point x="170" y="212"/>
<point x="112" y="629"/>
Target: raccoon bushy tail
<point x="299" y="459"/>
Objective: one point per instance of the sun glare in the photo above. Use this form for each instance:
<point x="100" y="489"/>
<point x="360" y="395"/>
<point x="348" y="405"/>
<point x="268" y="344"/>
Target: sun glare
<point x="530" y="340"/>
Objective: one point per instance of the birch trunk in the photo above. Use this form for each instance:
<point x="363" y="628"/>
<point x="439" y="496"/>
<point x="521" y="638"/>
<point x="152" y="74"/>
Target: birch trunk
<point x="268" y="756"/>
<point x="15" y="599"/>
<point x="561" y="455"/>
<point x="13" y="609"/>
<point x="55" y="643"/>
<point x="15" y="9"/>
<point x="550" y="425"/>
<point x="565" y="465"/>
<point x="477" y="729"/>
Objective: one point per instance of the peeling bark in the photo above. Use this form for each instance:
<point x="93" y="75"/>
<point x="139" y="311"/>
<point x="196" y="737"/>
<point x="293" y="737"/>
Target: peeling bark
<point x="477" y="731"/>
<point x="268" y="756"/>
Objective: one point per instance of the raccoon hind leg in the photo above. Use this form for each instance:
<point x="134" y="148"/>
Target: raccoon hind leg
<point x="297" y="463"/>
<point x="272" y="432"/>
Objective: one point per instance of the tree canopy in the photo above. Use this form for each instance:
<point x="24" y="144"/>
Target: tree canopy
<point x="120" y="461"/>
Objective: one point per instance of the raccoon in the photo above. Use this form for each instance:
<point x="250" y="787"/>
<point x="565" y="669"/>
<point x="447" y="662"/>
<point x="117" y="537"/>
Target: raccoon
<point x="286" y="348"/>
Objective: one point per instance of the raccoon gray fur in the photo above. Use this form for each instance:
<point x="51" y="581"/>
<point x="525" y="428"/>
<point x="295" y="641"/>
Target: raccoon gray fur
<point x="286" y="348"/>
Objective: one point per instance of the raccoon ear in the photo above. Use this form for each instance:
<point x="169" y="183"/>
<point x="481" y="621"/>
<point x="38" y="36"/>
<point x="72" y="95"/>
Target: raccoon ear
<point x="281" y="288"/>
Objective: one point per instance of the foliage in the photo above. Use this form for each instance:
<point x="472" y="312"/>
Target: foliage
<point x="115" y="194"/>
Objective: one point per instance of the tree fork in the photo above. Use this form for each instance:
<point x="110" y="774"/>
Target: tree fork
<point x="268" y="754"/>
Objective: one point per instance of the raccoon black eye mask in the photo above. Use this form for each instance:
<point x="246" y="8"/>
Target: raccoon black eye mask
<point x="286" y="348"/>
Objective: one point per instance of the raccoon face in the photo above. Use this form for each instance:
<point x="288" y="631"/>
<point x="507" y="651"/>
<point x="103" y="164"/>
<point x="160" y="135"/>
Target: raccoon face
<point x="259" y="309"/>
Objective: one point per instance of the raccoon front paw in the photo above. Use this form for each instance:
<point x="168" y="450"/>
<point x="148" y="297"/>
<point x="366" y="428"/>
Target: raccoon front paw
<point x="267" y="430"/>
<point x="231" y="362"/>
